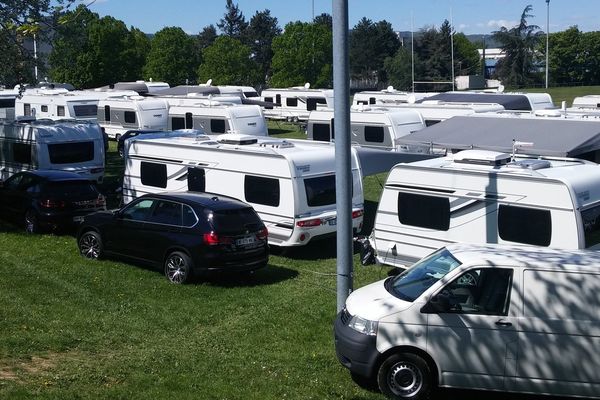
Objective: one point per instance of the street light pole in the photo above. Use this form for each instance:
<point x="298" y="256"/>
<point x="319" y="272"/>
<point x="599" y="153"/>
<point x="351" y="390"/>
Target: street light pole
<point x="547" y="36"/>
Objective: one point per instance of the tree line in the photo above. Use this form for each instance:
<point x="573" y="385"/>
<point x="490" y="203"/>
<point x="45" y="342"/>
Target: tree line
<point x="91" y="51"/>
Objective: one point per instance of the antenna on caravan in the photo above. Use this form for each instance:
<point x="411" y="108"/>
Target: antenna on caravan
<point x="518" y="145"/>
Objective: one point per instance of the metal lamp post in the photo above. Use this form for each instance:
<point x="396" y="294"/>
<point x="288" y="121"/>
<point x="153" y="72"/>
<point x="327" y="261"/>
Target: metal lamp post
<point x="547" y="36"/>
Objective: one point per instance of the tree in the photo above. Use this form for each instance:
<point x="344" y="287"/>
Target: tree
<point x="567" y="56"/>
<point x="233" y="22"/>
<point x="399" y="69"/>
<point x="207" y="37"/>
<point x="466" y="57"/>
<point x="303" y="53"/>
<point x="324" y="19"/>
<point x="262" y="30"/>
<point x="518" y="44"/>
<point x="173" y="57"/>
<point x="370" y="44"/>
<point x="227" y="62"/>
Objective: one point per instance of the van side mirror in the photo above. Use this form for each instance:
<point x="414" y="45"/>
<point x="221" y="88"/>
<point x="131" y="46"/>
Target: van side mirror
<point x="440" y="303"/>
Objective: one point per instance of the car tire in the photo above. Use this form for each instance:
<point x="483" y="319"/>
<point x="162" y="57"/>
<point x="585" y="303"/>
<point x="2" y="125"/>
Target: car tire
<point x="405" y="376"/>
<point x="32" y="224"/>
<point x="90" y="245"/>
<point x="178" y="268"/>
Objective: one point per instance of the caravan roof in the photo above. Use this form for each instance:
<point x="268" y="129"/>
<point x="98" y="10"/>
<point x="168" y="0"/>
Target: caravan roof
<point x="510" y="101"/>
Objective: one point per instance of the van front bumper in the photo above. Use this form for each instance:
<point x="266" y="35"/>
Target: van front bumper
<point x="354" y="350"/>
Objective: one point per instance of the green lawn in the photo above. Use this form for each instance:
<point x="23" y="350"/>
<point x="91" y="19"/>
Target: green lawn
<point x="71" y="328"/>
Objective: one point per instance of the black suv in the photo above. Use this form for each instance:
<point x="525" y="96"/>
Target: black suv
<point x="49" y="199"/>
<point x="182" y="233"/>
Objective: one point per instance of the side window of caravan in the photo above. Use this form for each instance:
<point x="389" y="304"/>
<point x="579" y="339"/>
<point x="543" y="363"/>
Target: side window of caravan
<point x="70" y="153"/>
<point x="60" y="111"/>
<point x="591" y="226"/>
<point x="129" y="117"/>
<point x="217" y="125"/>
<point x="86" y="110"/>
<point x="321" y="132"/>
<point x="291" y="101"/>
<point x="177" y="123"/>
<point x="196" y="179"/>
<point x="44" y="108"/>
<point x="107" y="113"/>
<point x="269" y="100"/>
<point x="189" y="120"/>
<point x="27" y="109"/>
<point x="261" y="190"/>
<point x="21" y="153"/>
<point x="374" y="134"/>
<point x="320" y="191"/>
<point x="424" y="211"/>
<point x="524" y="225"/>
<point x="153" y="174"/>
<point x="479" y="291"/>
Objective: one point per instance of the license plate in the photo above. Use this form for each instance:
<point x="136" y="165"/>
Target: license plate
<point x="78" y="218"/>
<point x="245" y="241"/>
<point x="332" y="222"/>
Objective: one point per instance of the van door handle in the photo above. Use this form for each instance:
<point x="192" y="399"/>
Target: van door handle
<point x="503" y="323"/>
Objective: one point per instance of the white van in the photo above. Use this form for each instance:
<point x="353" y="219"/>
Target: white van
<point x="295" y="103"/>
<point x="370" y="127"/>
<point x="503" y="318"/>
<point x="46" y="144"/>
<point x="290" y="184"/>
<point x="215" y="117"/>
<point x="478" y="196"/>
<point x="121" y="113"/>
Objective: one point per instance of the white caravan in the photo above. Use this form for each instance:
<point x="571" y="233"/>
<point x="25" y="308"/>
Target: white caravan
<point x="291" y="184"/>
<point x="370" y="127"/>
<point x="588" y="102"/>
<point x="479" y="196"/>
<point x="7" y="103"/>
<point x="505" y="318"/>
<point x="387" y="96"/>
<point x="508" y="100"/>
<point x="295" y="103"/>
<point x="58" y="104"/>
<point x="214" y="117"/>
<point x="434" y="111"/>
<point x="120" y="113"/>
<point x="46" y="144"/>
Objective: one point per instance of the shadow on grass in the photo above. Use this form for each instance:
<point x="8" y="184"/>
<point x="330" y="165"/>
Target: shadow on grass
<point x="266" y="276"/>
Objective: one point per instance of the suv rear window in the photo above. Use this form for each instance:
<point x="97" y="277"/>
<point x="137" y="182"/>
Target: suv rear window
<point x="70" y="188"/>
<point x="235" y="221"/>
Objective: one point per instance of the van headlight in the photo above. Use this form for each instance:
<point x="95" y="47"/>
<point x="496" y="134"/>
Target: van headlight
<point x="363" y="326"/>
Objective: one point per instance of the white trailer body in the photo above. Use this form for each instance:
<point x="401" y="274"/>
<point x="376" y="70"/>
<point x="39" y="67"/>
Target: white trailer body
<point x="387" y="96"/>
<point x="118" y="114"/>
<point x="7" y="104"/>
<point x="215" y="118"/>
<point x="291" y="184"/>
<point x="58" y="104"/>
<point x="370" y="127"/>
<point x="434" y="111"/>
<point x="296" y="103"/>
<point x="62" y="145"/>
<point x="478" y="196"/>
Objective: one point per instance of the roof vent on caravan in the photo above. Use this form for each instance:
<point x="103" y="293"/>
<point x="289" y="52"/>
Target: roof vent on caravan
<point x="236" y="138"/>
<point x="482" y="157"/>
<point x="530" y="164"/>
<point x="280" y="144"/>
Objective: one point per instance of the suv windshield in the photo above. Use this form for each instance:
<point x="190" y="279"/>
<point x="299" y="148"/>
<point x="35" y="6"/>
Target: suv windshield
<point x="413" y="282"/>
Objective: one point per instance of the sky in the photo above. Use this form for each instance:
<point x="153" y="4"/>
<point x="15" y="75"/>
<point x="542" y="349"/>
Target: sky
<point x="467" y="16"/>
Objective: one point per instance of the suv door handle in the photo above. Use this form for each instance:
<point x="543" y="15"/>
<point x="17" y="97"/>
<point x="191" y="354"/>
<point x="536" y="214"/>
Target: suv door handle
<point x="503" y="323"/>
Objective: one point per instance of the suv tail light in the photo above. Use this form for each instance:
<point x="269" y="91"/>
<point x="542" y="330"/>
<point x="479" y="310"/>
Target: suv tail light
<point x="262" y="234"/>
<point x="49" y="203"/>
<point x="357" y="214"/>
<point x="213" y="239"/>
<point x="309" y="223"/>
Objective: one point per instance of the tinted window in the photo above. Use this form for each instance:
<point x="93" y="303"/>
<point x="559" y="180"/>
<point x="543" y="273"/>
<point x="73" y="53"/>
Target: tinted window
<point x="374" y="134"/>
<point x="107" y="113"/>
<point x="7" y="103"/>
<point x="60" y="111"/>
<point x="189" y="217"/>
<point x="261" y="190"/>
<point x="189" y="122"/>
<point x="269" y="100"/>
<point x="591" y="226"/>
<point x="424" y="211"/>
<point x="321" y="132"/>
<point x="217" y="125"/>
<point x="70" y="188"/>
<point x="291" y="102"/>
<point x="177" y="123"/>
<point x="311" y="104"/>
<point x="68" y="153"/>
<point x="129" y="117"/>
<point x="166" y="212"/>
<point x="154" y="174"/>
<point x="87" y="110"/>
<point x="372" y="100"/>
<point x="44" y="108"/>
<point x="524" y="225"/>
<point x="138" y="211"/>
<point x="196" y="179"/>
<point x="27" y="109"/>
<point x="320" y="191"/>
<point x="21" y="153"/>
<point x="236" y="220"/>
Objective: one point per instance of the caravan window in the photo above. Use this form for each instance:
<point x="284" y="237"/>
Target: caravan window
<point x="374" y="134"/>
<point x="129" y="117"/>
<point x="177" y="123"/>
<point x="217" y="125"/>
<point x="87" y="110"/>
<point x="27" y="110"/>
<point x="524" y="225"/>
<point x="291" y="102"/>
<point x="7" y="103"/>
<point x="70" y="153"/>
<point x="44" y="108"/>
<point x="321" y="132"/>
<point x="320" y="191"/>
<point x="60" y="111"/>
<point x="196" y="179"/>
<point x="21" y="153"/>
<point x="312" y="103"/>
<point x="591" y="226"/>
<point x="261" y="190"/>
<point x="153" y="174"/>
<point x="424" y="211"/>
<point x="269" y="100"/>
<point x="107" y="113"/>
<point x="189" y="120"/>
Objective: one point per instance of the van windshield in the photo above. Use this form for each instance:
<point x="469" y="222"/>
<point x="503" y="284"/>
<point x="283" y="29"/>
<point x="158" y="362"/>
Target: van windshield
<point x="413" y="282"/>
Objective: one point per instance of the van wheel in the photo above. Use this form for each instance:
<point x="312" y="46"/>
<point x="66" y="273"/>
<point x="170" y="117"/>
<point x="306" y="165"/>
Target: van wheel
<point x="405" y="376"/>
<point x="31" y="222"/>
<point x="90" y="245"/>
<point x="178" y="268"/>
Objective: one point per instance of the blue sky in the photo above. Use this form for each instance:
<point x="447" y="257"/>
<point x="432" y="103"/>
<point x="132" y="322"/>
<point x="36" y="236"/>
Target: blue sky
<point x="468" y="16"/>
